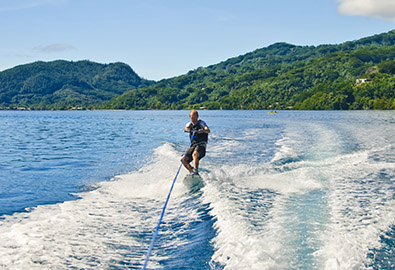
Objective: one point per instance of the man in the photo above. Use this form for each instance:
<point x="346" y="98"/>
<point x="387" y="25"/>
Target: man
<point x="198" y="132"/>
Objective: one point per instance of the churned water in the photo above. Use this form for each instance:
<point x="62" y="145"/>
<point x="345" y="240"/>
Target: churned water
<point x="292" y="190"/>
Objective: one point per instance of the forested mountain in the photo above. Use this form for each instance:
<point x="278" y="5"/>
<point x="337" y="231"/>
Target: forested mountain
<point x="354" y="75"/>
<point x="65" y="85"/>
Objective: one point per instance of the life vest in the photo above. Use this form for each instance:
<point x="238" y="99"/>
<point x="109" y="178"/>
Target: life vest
<point x="198" y="138"/>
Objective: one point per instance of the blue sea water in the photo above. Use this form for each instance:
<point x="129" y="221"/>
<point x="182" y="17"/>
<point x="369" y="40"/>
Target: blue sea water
<point x="292" y="190"/>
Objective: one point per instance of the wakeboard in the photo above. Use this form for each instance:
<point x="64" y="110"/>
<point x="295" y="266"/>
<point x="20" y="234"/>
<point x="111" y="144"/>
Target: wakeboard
<point x="193" y="182"/>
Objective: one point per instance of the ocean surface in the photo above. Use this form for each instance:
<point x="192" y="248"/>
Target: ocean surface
<point x="292" y="190"/>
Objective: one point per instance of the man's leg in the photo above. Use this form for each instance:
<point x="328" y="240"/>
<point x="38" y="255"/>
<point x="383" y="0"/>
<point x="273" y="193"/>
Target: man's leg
<point x="186" y="164"/>
<point x="197" y="154"/>
<point x="188" y="159"/>
<point x="195" y="157"/>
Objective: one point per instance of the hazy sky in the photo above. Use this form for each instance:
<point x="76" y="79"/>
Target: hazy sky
<point x="164" y="38"/>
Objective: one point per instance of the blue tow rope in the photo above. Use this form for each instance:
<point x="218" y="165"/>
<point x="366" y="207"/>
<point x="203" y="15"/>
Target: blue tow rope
<point x="163" y="210"/>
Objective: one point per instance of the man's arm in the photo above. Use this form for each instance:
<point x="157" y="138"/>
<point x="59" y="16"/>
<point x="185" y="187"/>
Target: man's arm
<point x="187" y="127"/>
<point x="205" y="128"/>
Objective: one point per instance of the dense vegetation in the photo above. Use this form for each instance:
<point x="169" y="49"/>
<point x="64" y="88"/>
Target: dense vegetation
<point x="282" y="76"/>
<point x="354" y="75"/>
<point x="65" y="85"/>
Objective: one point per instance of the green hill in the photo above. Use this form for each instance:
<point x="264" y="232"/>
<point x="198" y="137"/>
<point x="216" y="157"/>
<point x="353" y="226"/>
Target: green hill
<point x="357" y="74"/>
<point x="354" y="75"/>
<point x="64" y="85"/>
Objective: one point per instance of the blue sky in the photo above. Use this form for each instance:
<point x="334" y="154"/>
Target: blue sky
<point x="165" y="38"/>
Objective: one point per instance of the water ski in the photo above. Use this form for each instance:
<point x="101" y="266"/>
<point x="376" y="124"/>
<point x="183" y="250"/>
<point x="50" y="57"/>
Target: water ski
<point x="193" y="182"/>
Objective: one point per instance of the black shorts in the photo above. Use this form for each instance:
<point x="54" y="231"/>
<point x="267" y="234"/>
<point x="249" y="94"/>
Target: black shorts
<point x="200" y="149"/>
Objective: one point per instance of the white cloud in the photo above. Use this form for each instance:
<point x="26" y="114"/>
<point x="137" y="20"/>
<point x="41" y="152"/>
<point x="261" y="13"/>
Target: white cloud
<point x="383" y="9"/>
<point x="58" y="47"/>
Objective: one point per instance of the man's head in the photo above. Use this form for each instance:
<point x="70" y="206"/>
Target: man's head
<point x="193" y="114"/>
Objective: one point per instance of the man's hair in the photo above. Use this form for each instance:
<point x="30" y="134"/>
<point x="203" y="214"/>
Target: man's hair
<point x="193" y="111"/>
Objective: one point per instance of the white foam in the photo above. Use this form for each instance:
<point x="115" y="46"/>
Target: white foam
<point x="153" y="180"/>
<point x="290" y="145"/>
<point x="101" y="230"/>
<point x="225" y="146"/>
<point x="286" y="150"/>
<point x="362" y="209"/>
<point x="238" y="244"/>
<point x="338" y="238"/>
<point x="223" y="149"/>
<point x="299" y="177"/>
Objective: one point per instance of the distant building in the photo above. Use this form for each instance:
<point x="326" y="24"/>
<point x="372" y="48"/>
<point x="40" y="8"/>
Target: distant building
<point x="361" y="81"/>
